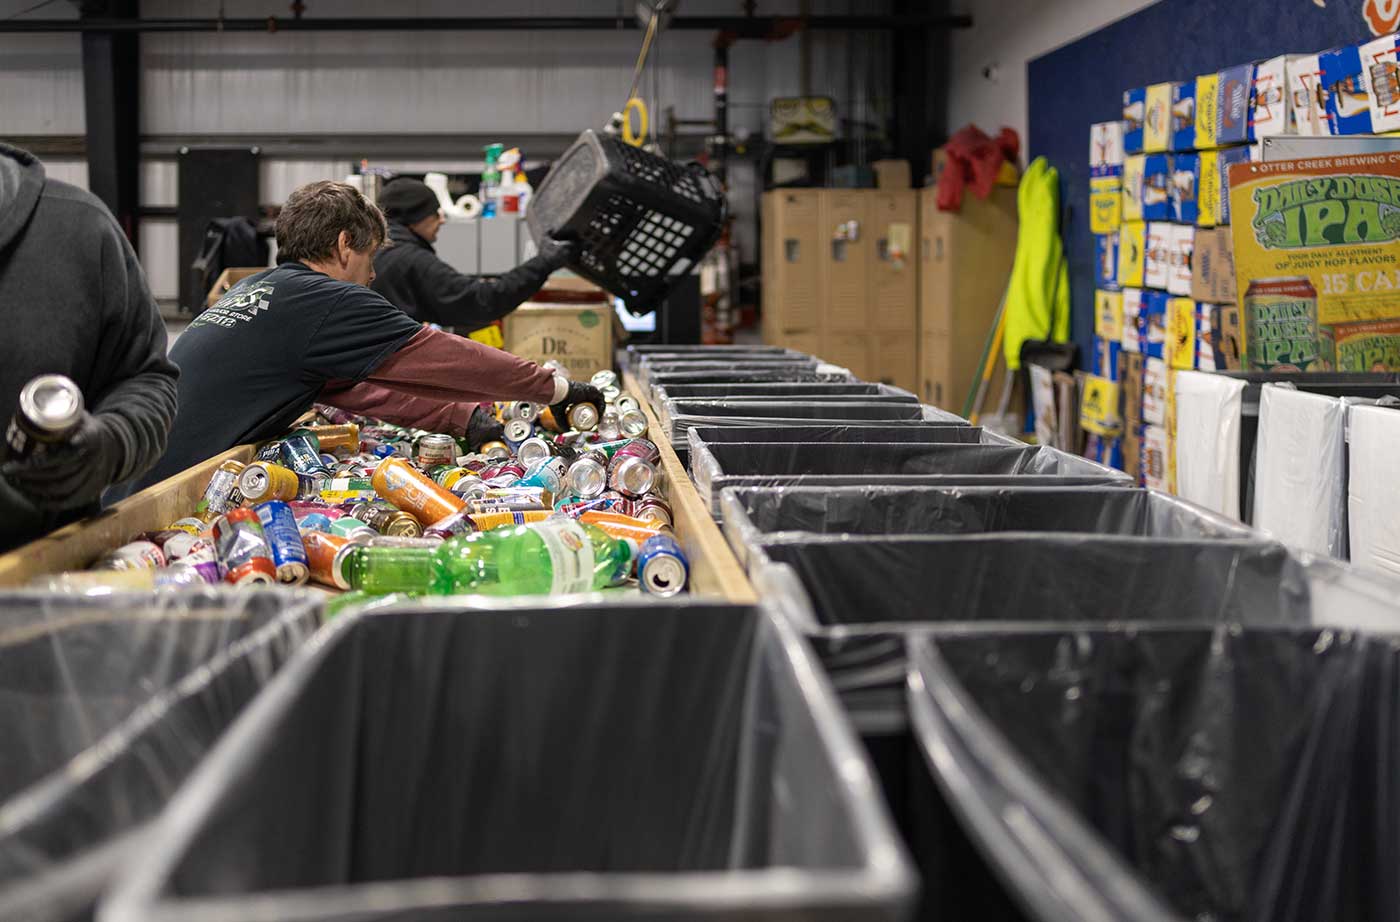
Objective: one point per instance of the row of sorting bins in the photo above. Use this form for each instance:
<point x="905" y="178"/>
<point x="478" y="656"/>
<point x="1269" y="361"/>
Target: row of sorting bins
<point x="1083" y="701"/>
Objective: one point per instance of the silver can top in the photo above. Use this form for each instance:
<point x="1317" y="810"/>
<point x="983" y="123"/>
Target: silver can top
<point x="52" y="403"/>
<point x="632" y="423"/>
<point x="633" y="476"/>
<point x="662" y="575"/>
<point x="518" y="429"/>
<point x="587" y="478"/>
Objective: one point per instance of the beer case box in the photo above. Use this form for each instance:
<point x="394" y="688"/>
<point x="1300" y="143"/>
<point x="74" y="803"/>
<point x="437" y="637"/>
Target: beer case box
<point x="1131" y="338"/>
<point x="1270" y="105"/>
<point x="1380" y="76"/>
<point x="1157" y="118"/>
<point x="1134" y="167"/>
<point x="1154" y="457"/>
<point x="1132" y="365"/>
<point x="1134" y="112"/>
<point x="1132" y="452"/>
<point x="1182" y="244"/>
<point x="1132" y="253"/>
<point x="1183" y="119"/>
<point x="1348" y="108"/>
<point x="1232" y="104"/>
<point x="1108" y="315"/>
<point x="1105" y="204"/>
<point x="1367" y="346"/>
<point x="1205" y="339"/>
<point x="1227" y="337"/>
<point x="1307" y="104"/>
<point x="1208" y="204"/>
<point x="1152" y="324"/>
<point x="1106" y="450"/>
<point x="1228" y="157"/>
<point x="1156" y="187"/>
<point x="1154" y="391"/>
<point x="892" y="174"/>
<point x="1106" y="259"/>
<point x="1099" y="405"/>
<point x="1185" y="183"/>
<point x="1107" y="358"/>
<point x="578" y="336"/>
<point x="1317" y="246"/>
<point x="1180" y="352"/>
<point x="1207" y="110"/>
<point x="1157" y="261"/>
<point x="1213" y="266"/>
<point x="1106" y="150"/>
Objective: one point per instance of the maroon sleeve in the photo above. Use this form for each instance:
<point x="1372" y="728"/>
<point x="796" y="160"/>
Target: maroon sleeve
<point x="373" y="400"/>
<point x="439" y="366"/>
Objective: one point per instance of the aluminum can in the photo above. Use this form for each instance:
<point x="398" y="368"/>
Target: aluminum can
<point x="610" y="425"/>
<point x="218" y="496"/>
<point x="497" y="450"/>
<point x="653" y="509"/>
<point x="583" y="416"/>
<point x="301" y="454"/>
<point x="137" y="555"/>
<point x="633" y="469"/>
<point x="242" y="547"/>
<point x="262" y="481"/>
<point x="435" y="449"/>
<point x="353" y="528"/>
<point x="549" y="474"/>
<point x="626" y="402"/>
<point x="315" y="521"/>
<point x="520" y="409"/>
<point x="410" y="490"/>
<point x="272" y="451"/>
<point x="633" y="424"/>
<point x="50" y="409"/>
<point x="662" y="567"/>
<point x="604" y="379"/>
<point x="454" y="525"/>
<point x="284" y="540"/>
<point x="534" y="450"/>
<point x="326" y="555"/>
<point x="517" y="431"/>
<point x="1281" y="328"/>
<point x="334" y="438"/>
<point x="588" y="475"/>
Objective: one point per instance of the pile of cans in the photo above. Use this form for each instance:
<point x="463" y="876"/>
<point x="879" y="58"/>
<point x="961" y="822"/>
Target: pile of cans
<point x="295" y="513"/>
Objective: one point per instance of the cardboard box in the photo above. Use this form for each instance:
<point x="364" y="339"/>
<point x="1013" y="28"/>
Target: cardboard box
<point x="1133" y="364"/>
<point x="1132" y="453"/>
<point x="1270" y="104"/>
<point x="1348" y="108"/>
<point x="892" y="174"/>
<point x="1156" y="187"/>
<point x="1105" y="204"/>
<point x="1227" y="337"/>
<point x="1108" y="315"/>
<point x="1134" y="166"/>
<point x="1106" y="259"/>
<point x="1205" y="339"/>
<point x="1152" y="324"/>
<point x="1131" y="338"/>
<point x="1228" y="157"/>
<point x="1183" y="121"/>
<point x="1099" y="406"/>
<point x="226" y="280"/>
<point x="1316" y="246"/>
<point x="1208" y="198"/>
<point x="1213" y="266"/>
<point x="1232" y="114"/>
<point x="1106" y="358"/>
<point x="1181" y="334"/>
<point x="1154" y="392"/>
<point x="1307" y="101"/>
<point x="1106" y="150"/>
<point x="1157" y="122"/>
<point x="1185" y="183"/>
<point x="1134" y="111"/>
<point x="1157" y="262"/>
<point x="1380" y="76"/>
<point x="1183" y="237"/>
<point x="1154" y="457"/>
<point x="578" y="336"/>
<point x="1207" y="110"/>
<point x="1132" y="253"/>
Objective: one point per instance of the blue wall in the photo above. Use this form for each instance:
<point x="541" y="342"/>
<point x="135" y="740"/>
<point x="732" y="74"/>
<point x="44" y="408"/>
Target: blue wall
<point x="1082" y="83"/>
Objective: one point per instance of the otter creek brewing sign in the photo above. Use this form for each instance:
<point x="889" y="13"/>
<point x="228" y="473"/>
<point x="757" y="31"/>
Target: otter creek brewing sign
<point x="1317" y="262"/>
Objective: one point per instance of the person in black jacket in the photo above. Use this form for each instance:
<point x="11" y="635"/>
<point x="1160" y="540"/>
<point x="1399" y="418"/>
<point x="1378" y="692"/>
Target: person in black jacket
<point x="410" y="276"/>
<point x="74" y="301"/>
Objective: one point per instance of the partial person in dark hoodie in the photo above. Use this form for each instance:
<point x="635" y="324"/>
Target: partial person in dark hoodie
<point x="409" y="274"/>
<point x="74" y="301"/>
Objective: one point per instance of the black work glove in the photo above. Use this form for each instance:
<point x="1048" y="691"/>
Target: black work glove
<point x="483" y="428"/>
<point x="558" y="252"/>
<point x="73" y="473"/>
<point x="579" y="392"/>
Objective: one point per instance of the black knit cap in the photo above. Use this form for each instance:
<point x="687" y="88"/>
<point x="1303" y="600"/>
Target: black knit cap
<point x="407" y="201"/>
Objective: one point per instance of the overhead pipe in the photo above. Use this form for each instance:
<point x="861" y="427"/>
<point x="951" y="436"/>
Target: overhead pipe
<point x="742" y="26"/>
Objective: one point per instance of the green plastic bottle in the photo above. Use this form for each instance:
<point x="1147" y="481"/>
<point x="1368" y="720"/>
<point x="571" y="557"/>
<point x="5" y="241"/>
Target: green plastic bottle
<point x="558" y="555"/>
<point x="382" y="570"/>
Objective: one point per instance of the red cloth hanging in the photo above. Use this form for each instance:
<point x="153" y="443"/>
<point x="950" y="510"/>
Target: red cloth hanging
<point x="974" y="159"/>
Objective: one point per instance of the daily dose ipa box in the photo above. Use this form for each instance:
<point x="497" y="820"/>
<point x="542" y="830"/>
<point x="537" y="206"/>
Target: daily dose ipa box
<point x="1317" y="262"/>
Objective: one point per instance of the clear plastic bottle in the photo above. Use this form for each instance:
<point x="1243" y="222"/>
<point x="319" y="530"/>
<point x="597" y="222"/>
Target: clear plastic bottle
<point x="555" y="556"/>
<point x="382" y="570"/>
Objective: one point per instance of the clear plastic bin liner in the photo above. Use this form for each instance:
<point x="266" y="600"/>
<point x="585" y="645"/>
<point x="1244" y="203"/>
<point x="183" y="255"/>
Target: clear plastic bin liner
<point x="1219" y="773"/>
<point x="911" y="431"/>
<point x="758" y="464"/>
<point x="752" y="514"/>
<point x="589" y="760"/>
<point x="1300" y="470"/>
<point x="851" y="406"/>
<point x="106" y="703"/>
<point x="1208" y="409"/>
<point x="1373" y="489"/>
<point x="733" y="364"/>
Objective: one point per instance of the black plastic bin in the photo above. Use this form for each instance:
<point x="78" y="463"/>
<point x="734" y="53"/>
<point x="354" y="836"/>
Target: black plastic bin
<point x="754" y="514"/>
<point x="634" y="354"/>
<point x="597" y="760"/>
<point x="769" y="464"/>
<point x="730" y="376"/>
<point x="106" y="704"/>
<point x="907" y="431"/>
<point x="1153" y="774"/>
<point x="779" y="391"/>
<point x="647" y="370"/>
<point x="679" y="416"/>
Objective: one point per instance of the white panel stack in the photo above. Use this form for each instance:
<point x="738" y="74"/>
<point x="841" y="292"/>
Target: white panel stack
<point x="1208" y="409"/>
<point x="1373" y="490"/>
<point x="1299" y="472"/>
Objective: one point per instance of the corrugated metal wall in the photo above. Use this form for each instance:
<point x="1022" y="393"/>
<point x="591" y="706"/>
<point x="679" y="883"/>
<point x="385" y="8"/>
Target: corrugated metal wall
<point x="510" y="84"/>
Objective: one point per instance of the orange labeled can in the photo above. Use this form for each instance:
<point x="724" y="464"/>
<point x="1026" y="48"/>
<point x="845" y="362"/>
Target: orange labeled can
<point x="619" y="526"/>
<point x="325" y="557"/>
<point x="332" y="438"/>
<point x="414" y="492"/>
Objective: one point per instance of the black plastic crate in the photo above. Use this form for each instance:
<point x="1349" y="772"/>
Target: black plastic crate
<point x="915" y="432"/>
<point x="643" y="221"/>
